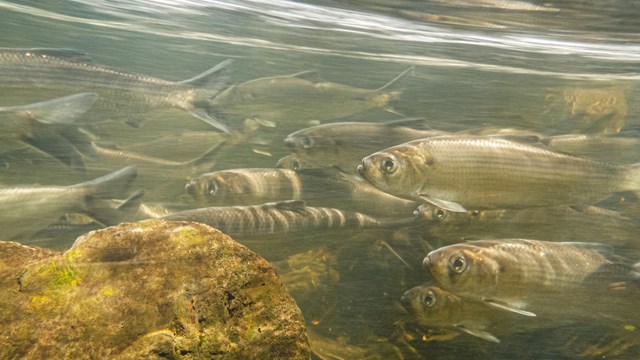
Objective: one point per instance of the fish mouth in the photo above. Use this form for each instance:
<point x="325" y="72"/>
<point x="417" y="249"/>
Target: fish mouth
<point x="361" y="169"/>
<point x="289" y="142"/>
<point x="191" y="189"/>
<point x="427" y="262"/>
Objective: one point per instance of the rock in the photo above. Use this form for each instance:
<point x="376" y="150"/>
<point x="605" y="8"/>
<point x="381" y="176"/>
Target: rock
<point x="154" y="289"/>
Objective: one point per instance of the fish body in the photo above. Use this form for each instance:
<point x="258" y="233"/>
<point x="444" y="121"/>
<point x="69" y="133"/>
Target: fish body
<point x="120" y="93"/>
<point x="274" y="218"/>
<point x="294" y="99"/>
<point x="435" y="307"/>
<point x="317" y="187"/>
<point x="616" y="148"/>
<point x="553" y="223"/>
<point x="27" y="210"/>
<point x="344" y="144"/>
<point x="515" y="274"/>
<point x="459" y="172"/>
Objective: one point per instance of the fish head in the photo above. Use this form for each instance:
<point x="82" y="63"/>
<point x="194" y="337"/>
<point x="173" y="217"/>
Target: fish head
<point x="463" y="268"/>
<point x="395" y="170"/>
<point x="291" y="162"/>
<point x="432" y="306"/>
<point x="218" y="187"/>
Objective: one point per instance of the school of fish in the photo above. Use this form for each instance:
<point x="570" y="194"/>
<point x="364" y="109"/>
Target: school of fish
<point x="501" y="221"/>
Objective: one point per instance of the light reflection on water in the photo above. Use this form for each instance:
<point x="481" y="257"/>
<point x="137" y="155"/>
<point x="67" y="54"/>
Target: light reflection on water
<point x="487" y="63"/>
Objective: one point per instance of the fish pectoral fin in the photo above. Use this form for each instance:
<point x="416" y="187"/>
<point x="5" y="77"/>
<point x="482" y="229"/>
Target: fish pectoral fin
<point x="508" y="307"/>
<point x="309" y="75"/>
<point x="204" y="116"/>
<point x="291" y="205"/>
<point x="63" y="110"/>
<point x="485" y="335"/>
<point x="447" y="205"/>
<point x="393" y="111"/>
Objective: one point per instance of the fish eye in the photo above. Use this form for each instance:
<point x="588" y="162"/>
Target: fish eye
<point x="212" y="188"/>
<point x="306" y="142"/>
<point x="389" y="164"/>
<point x="429" y="299"/>
<point x="295" y="165"/>
<point x="458" y="263"/>
<point x="439" y="214"/>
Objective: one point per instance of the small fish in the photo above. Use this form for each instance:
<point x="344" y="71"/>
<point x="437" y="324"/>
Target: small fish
<point x="43" y="125"/>
<point x="616" y="149"/>
<point x="553" y="223"/>
<point x="317" y="187"/>
<point x="275" y="218"/>
<point x="438" y="308"/>
<point x="293" y="162"/>
<point x="27" y="210"/>
<point x="344" y="144"/>
<point x="121" y="93"/>
<point x="269" y="100"/>
<point x="435" y="307"/>
<point x="517" y="275"/>
<point x="460" y="172"/>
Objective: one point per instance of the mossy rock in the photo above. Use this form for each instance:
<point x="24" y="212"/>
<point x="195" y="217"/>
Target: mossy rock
<point x="153" y="289"/>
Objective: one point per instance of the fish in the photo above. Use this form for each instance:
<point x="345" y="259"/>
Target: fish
<point x="293" y="162"/>
<point x="460" y="172"/>
<point x="268" y="100"/>
<point x="42" y="125"/>
<point x="27" y="210"/>
<point x="317" y="187"/>
<point x="520" y="275"/>
<point x="613" y="148"/>
<point x="121" y="94"/>
<point x="435" y="307"/>
<point x="275" y="218"/>
<point x="344" y="144"/>
<point x="552" y="223"/>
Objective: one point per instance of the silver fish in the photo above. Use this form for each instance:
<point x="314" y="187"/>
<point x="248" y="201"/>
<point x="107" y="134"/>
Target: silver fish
<point x="617" y="148"/>
<point x="120" y="92"/>
<point x="27" y="210"/>
<point x="269" y="100"/>
<point x="518" y="275"/>
<point x="43" y="125"/>
<point x="553" y="223"/>
<point x="435" y="307"/>
<point x="317" y="187"/>
<point x="275" y="218"/>
<point x="456" y="172"/>
<point x="344" y="144"/>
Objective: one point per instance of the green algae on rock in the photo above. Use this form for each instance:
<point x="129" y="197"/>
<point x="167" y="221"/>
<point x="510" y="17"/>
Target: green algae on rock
<point x="153" y="289"/>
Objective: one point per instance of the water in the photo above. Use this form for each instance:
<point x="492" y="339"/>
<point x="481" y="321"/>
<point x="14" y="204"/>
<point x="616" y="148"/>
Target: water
<point x="476" y="64"/>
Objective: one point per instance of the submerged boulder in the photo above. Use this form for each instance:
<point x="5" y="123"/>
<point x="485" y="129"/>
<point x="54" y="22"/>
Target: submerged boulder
<point x="152" y="289"/>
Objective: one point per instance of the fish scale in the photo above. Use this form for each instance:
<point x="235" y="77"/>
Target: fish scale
<point x="482" y="172"/>
<point x="513" y="270"/>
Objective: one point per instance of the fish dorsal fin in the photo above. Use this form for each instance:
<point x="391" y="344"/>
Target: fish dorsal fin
<point x="309" y="75"/>
<point x="397" y="82"/>
<point x="64" y="110"/>
<point x="290" y="205"/>
<point x="214" y="79"/>
<point x="69" y="55"/>
<point x="408" y="122"/>
<point x="507" y="307"/>
<point x="477" y="333"/>
<point x="447" y="205"/>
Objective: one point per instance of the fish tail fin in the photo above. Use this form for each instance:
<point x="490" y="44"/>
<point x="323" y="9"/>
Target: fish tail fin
<point x="208" y="85"/>
<point x="633" y="179"/>
<point x="63" y="110"/>
<point x="106" y="213"/>
<point x="206" y="161"/>
<point x="110" y="186"/>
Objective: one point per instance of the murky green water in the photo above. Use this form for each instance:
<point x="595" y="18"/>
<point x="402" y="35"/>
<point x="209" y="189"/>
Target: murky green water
<point x="549" y="67"/>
